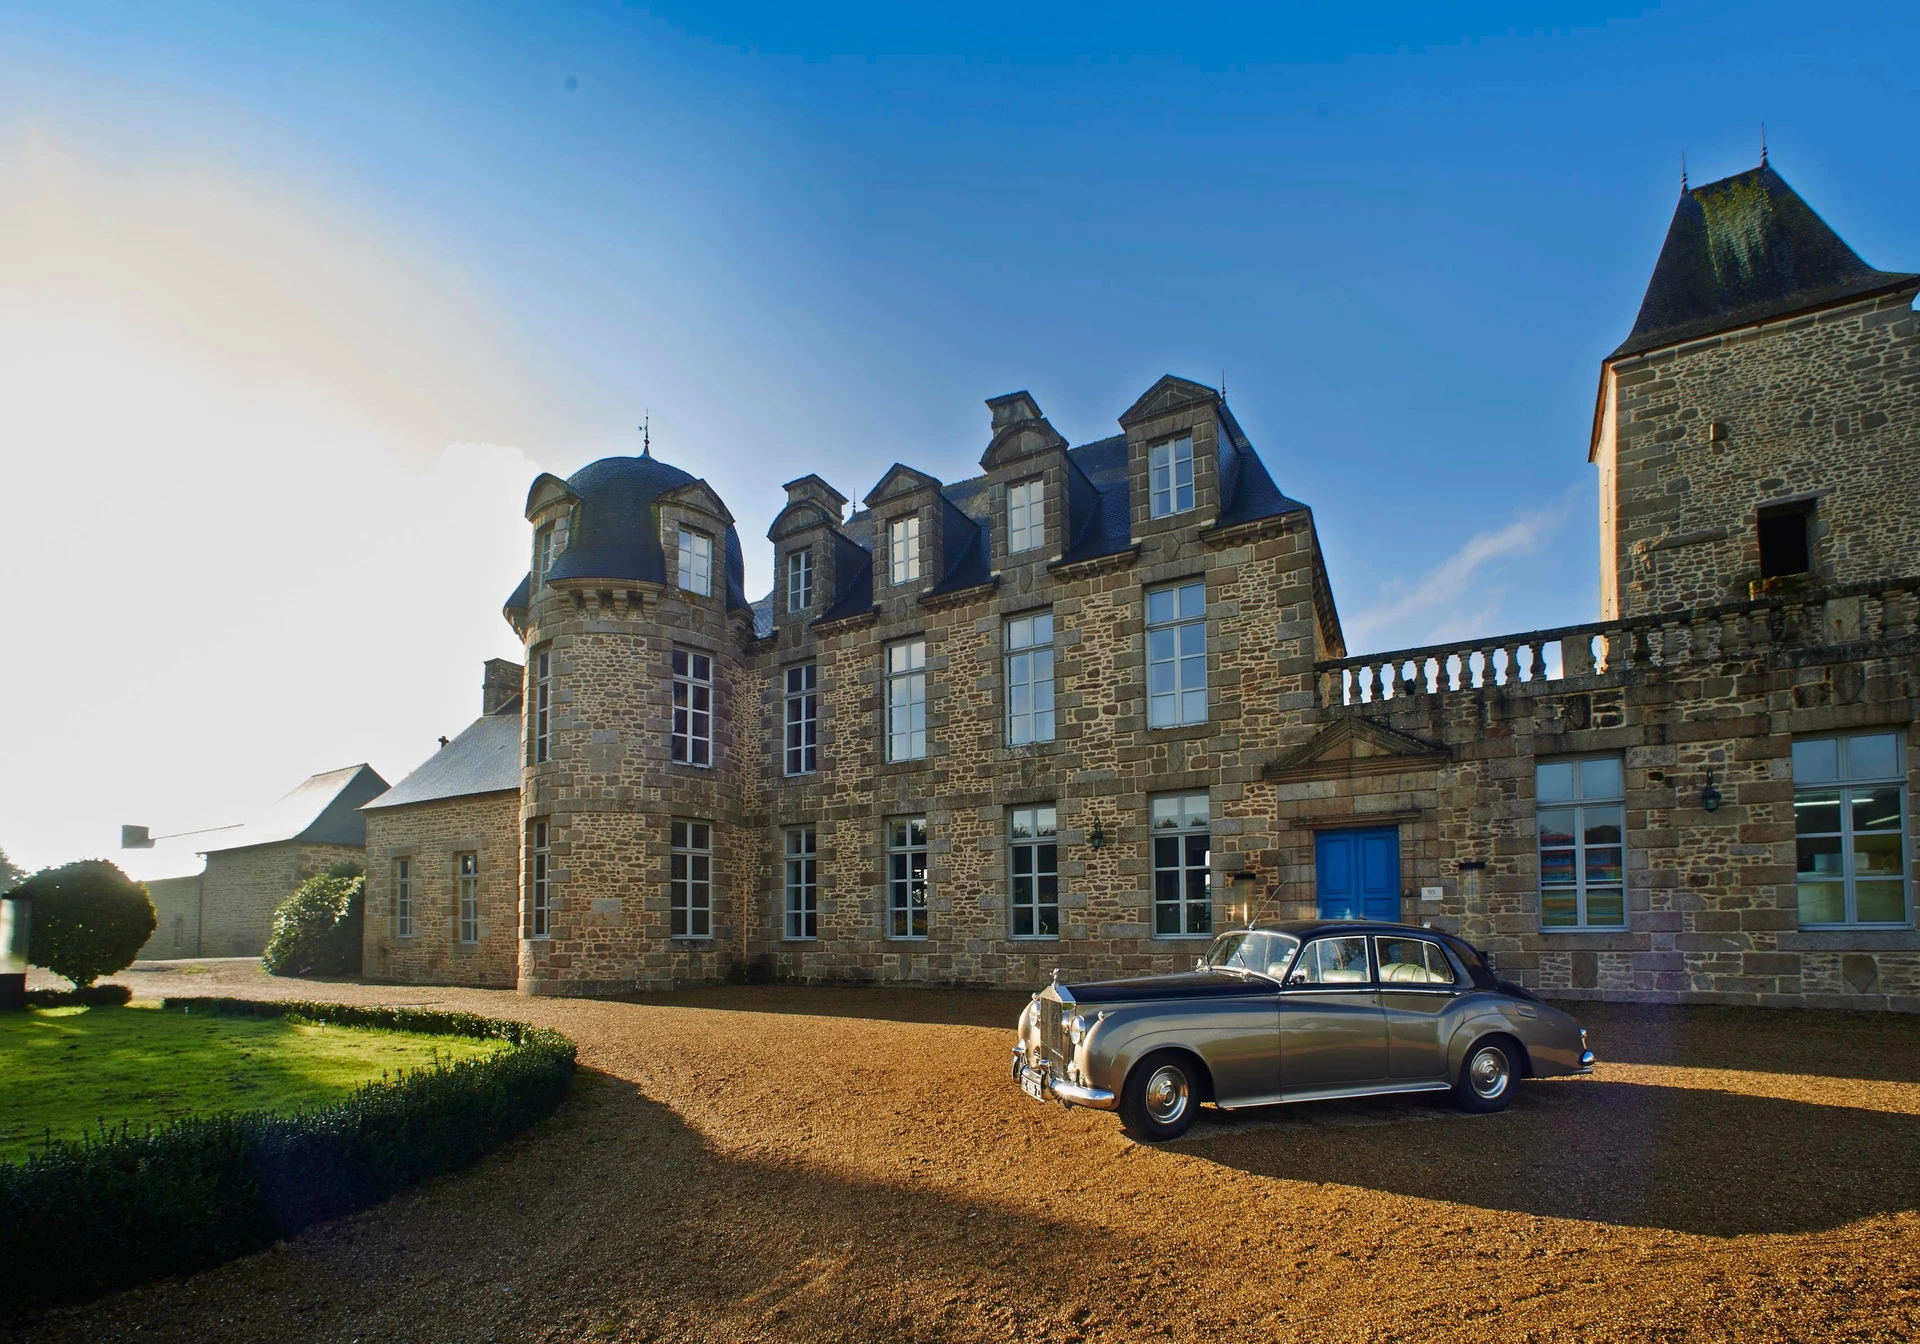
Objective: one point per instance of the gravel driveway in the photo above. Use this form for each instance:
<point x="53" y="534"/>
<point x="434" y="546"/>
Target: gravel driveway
<point x="776" y="1163"/>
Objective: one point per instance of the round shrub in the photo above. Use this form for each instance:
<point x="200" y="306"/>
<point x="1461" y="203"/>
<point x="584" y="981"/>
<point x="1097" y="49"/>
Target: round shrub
<point x="317" y="931"/>
<point x="89" y="920"/>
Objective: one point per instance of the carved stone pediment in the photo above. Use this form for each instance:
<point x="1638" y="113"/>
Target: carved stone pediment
<point x="547" y="489"/>
<point x="900" y="480"/>
<point x="1165" y="397"/>
<point x="698" y="495"/>
<point x="1356" y="746"/>
<point x="800" y="516"/>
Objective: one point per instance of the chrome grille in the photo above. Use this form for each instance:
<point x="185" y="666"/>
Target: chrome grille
<point x="1053" y="1034"/>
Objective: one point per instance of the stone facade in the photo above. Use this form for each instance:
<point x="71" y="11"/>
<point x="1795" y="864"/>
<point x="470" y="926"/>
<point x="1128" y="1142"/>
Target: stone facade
<point x="176" y="908"/>
<point x="241" y="889"/>
<point x="1819" y="411"/>
<point x="431" y="837"/>
<point x="1699" y="706"/>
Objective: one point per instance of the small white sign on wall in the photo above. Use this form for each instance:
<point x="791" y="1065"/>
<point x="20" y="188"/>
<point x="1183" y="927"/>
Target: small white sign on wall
<point x="1432" y="893"/>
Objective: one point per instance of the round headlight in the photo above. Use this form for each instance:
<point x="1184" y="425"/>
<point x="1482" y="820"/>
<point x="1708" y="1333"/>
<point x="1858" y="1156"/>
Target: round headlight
<point x="1077" y="1029"/>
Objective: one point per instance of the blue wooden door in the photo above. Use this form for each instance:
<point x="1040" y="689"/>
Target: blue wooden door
<point x="1357" y="873"/>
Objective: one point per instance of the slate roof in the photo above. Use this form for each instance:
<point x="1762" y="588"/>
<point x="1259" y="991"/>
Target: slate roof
<point x="325" y="810"/>
<point x="485" y="758"/>
<point x="616" y="533"/>
<point x="1099" y="517"/>
<point x="1742" y="250"/>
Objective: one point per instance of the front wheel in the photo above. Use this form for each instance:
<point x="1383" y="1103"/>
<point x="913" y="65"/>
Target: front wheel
<point x="1158" y="1101"/>
<point x="1487" y="1078"/>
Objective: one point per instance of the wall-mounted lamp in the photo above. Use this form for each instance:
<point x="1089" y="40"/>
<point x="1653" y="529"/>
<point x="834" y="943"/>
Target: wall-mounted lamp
<point x="1710" y="796"/>
<point x="1097" y="837"/>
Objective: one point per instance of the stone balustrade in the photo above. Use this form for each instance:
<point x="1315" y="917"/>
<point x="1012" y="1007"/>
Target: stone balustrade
<point x="1876" y="611"/>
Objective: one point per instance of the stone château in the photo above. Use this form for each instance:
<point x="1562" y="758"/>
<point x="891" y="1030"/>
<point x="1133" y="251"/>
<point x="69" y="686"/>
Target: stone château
<point x="1089" y="706"/>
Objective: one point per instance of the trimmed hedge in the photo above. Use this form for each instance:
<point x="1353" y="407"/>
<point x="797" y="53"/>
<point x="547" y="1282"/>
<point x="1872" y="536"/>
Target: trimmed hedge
<point x="317" y="930"/>
<point x="93" y="996"/>
<point x="80" y="1219"/>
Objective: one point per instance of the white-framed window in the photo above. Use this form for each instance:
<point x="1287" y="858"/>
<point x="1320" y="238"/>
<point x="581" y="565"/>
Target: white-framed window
<point x="800" y="580"/>
<point x="1177" y="655"/>
<point x="907" y="877"/>
<point x="692" y="707"/>
<point x="1034" y="868"/>
<point x="403" y="898"/>
<point x="1030" y="679"/>
<point x="696" y="562"/>
<point x="1026" y="515"/>
<point x="1850" y="831"/>
<point x="466" y="895"/>
<point x="802" y="719"/>
<point x="1170" y="472"/>
<point x="540" y="712"/>
<point x="1580" y="807"/>
<point x="803" y="882"/>
<point x="542" y="556"/>
<point x="690" y="880"/>
<point x="903" y="549"/>
<point x="907" y="700"/>
<point x="539" y="882"/>
<point x="1182" y="831"/>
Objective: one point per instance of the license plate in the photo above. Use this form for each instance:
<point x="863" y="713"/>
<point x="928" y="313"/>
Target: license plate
<point x="1030" y="1083"/>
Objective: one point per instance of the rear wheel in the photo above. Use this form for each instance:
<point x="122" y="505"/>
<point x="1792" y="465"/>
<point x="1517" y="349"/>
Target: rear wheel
<point x="1159" y="1099"/>
<point x="1488" y="1076"/>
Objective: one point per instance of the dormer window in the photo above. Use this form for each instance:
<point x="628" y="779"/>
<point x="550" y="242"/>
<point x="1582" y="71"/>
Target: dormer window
<point x="696" y="562"/>
<point x="799" y="580"/>
<point x="542" y="555"/>
<point x="1170" y="472"/>
<point x="903" y="549"/>
<point x="1026" y="516"/>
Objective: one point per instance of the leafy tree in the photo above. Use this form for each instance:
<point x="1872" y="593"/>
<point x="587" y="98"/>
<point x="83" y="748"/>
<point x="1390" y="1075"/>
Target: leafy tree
<point x="10" y="875"/>
<point x="317" y="931"/>
<point x="89" y="920"/>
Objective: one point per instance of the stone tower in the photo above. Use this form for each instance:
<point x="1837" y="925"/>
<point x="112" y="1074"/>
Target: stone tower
<point x="1760" y="427"/>
<point x="635" y="624"/>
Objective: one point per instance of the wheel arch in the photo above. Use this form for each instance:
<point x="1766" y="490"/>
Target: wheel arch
<point x="1471" y="1034"/>
<point x="1202" y="1075"/>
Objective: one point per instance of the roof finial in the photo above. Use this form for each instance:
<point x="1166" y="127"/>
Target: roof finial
<point x="1683" y="172"/>
<point x="1763" y="144"/>
<point x="646" y="434"/>
<point x="1223" y="384"/>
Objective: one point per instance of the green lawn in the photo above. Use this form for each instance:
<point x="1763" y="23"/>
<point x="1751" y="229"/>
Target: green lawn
<point x="66" y="1069"/>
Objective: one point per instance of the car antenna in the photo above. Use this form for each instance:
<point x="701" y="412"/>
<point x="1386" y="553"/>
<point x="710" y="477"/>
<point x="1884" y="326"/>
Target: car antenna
<point x="1273" y="894"/>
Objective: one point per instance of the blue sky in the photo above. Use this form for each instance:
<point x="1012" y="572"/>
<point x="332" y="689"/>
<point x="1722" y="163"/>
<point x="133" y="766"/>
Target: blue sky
<point x="320" y="289"/>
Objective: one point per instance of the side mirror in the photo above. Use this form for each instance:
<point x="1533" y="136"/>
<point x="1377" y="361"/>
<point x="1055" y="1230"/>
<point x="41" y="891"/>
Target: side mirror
<point x="1297" y="978"/>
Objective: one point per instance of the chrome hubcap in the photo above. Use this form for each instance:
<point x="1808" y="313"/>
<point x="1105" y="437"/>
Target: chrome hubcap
<point x="1166" y="1094"/>
<point x="1489" y="1073"/>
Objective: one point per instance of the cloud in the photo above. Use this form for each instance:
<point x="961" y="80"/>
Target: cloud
<point x="260" y="483"/>
<point x="1464" y="595"/>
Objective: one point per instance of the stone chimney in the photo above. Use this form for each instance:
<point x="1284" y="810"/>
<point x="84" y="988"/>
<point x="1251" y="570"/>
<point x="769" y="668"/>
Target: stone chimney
<point x="135" y="837"/>
<point x="499" y="685"/>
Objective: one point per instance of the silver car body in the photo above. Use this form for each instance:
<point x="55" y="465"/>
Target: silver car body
<point x="1285" y="1032"/>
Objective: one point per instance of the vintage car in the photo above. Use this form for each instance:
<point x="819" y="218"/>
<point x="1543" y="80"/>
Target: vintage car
<point x="1294" y="1011"/>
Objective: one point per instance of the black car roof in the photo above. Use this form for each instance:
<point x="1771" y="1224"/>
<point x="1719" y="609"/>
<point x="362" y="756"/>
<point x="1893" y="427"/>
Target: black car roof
<point x="1307" y="928"/>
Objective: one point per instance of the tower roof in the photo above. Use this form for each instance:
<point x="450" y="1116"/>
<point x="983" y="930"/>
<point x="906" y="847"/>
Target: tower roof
<point x="1743" y="250"/>
<point x="617" y="529"/>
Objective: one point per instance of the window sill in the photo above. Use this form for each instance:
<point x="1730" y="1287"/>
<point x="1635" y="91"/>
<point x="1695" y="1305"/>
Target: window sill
<point x="801" y="938"/>
<point x="1199" y="728"/>
<point x="907" y="938"/>
<point x="1034" y="937"/>
<point x="691" y="765"/>
<point x="690" y="938"/>
<point x="1177" y="937"/>
<point x="1603" y="930"/>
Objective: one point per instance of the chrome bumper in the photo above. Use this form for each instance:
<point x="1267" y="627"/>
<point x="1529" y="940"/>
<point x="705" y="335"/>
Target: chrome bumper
<point x="1060" y="1089"/>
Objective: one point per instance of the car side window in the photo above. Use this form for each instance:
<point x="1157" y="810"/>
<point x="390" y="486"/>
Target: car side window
<point x="1412" y="961"/>
<point x="1332" y="961"/>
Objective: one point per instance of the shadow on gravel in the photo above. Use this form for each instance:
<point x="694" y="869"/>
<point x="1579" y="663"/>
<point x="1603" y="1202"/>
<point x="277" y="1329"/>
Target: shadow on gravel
<point x="942" y="1007"/>
<point x="1684" y="1159"/>
<point x="614" y="1219"/>
<point x="1880" y="1046"/>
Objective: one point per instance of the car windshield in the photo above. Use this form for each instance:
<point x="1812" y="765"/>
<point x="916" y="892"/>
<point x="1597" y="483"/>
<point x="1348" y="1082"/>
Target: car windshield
<point x="1261" y="951"/>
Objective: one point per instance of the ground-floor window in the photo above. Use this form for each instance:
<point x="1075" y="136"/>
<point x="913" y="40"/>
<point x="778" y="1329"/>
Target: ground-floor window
<point x="539" y="882"/>
<point x="466" y="890"/>
<point x="907" y="877"/>
<point x="1182" y="880"/>
<point x="690" y="881"/>
<point x="1034" y="860"/>
<point x="1580" y="809"/>
<point x="1849" y="822"/>
<point x="803" y="882"/>
<point x="403" y="898"/>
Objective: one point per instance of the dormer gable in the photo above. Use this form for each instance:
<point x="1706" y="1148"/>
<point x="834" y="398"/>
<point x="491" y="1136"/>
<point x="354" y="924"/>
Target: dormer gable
<point x="899" y="482"/>
<point x="698" y="496"/>
<point x="1167" y="397"/>
<point x="1020" y="431"/>
<point x="811" y="487"/>
<point x="546" y="491"/>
